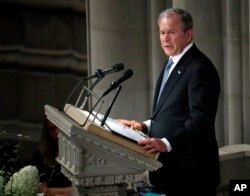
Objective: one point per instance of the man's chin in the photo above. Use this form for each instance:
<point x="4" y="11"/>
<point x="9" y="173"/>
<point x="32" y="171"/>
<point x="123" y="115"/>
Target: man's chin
<point x="168" y="53"/>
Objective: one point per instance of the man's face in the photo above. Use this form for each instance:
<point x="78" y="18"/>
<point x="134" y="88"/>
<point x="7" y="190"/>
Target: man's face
<point x="173" y="38"/>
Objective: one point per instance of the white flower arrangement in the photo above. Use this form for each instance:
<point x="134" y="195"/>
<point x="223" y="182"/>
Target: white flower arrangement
<point x="24" y="182"/>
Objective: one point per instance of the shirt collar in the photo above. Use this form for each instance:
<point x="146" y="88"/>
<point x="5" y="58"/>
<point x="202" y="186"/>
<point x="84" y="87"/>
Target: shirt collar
<point x="178" y="57"/>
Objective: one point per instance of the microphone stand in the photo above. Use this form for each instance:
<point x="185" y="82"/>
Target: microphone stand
<point x="91" y="111"/>
<point x="100" y="76"/>
<point x="110" y="106"/>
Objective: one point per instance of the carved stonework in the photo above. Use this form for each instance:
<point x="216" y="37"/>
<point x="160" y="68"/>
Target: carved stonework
<point x="105" y="180"/>
<point x="93" y="160"/>
<point x="89" y="160"/>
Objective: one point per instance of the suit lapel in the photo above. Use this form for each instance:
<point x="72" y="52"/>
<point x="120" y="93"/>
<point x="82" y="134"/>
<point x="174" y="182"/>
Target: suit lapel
<point x="172" y="80"/>
<point x="175" y="75"/>
<point x="158" y="86"/>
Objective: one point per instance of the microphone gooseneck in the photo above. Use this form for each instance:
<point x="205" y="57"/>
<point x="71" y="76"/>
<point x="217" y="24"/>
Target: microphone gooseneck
<point x="101" y="73"/>
<point x="127" y="74"/>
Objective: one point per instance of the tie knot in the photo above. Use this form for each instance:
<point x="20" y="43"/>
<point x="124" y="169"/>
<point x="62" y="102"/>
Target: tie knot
<point x="170" y="63"/>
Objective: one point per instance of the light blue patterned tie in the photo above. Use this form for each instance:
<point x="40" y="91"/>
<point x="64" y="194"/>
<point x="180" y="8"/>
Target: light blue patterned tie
<point x="165" y="76"/>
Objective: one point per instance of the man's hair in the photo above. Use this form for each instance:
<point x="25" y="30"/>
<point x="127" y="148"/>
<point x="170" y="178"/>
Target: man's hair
<point x="185" y="17"/>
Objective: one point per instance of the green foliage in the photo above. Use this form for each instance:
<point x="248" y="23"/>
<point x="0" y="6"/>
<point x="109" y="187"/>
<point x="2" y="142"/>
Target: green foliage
<point x="9" y="150"/>
<point x="2" y="182"/>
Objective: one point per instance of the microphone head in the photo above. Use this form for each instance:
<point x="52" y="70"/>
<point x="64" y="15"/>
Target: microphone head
<point x="118" y="67"/>
<point x="128" y="73"/>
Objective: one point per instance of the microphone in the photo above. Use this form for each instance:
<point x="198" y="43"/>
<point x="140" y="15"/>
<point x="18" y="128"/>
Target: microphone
<point x="127" y="74"/>
<point x="100" y="74"/>
<point x="114" y="68"/>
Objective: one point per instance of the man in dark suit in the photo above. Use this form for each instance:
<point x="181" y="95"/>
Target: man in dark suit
<point x="182" y="122"/>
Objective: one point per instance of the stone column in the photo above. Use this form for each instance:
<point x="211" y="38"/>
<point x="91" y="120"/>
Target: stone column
<point x="233" y="71"/>
<point x="245" y="7"/>
<point x="117" y="33"/>
<point x="156" y="54"/>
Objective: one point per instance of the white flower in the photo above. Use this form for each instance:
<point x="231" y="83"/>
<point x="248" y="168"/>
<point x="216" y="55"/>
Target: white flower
<point x="24" y="182"/>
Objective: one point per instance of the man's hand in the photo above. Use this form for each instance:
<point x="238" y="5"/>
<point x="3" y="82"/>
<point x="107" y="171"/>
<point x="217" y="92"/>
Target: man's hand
<point x="152" y="145"/>
<point x="140" y="126"/>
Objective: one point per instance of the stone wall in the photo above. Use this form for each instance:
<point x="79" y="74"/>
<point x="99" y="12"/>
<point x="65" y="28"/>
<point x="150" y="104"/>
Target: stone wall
<point x="42" y="57"/>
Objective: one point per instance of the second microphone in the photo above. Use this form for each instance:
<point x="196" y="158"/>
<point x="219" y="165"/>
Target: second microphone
<point x="127" y="74"/>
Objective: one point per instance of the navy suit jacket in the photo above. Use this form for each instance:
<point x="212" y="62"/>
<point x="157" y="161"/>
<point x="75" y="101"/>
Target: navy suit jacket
<point x="185" y="115"/>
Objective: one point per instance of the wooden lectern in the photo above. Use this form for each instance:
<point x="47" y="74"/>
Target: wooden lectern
<point x="98" y="162"/>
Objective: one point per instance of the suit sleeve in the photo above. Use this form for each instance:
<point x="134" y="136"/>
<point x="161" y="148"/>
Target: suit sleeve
<point x="203" y="91"/>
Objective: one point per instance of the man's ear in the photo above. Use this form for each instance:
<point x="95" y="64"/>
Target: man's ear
<point x="189" y="35"/>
